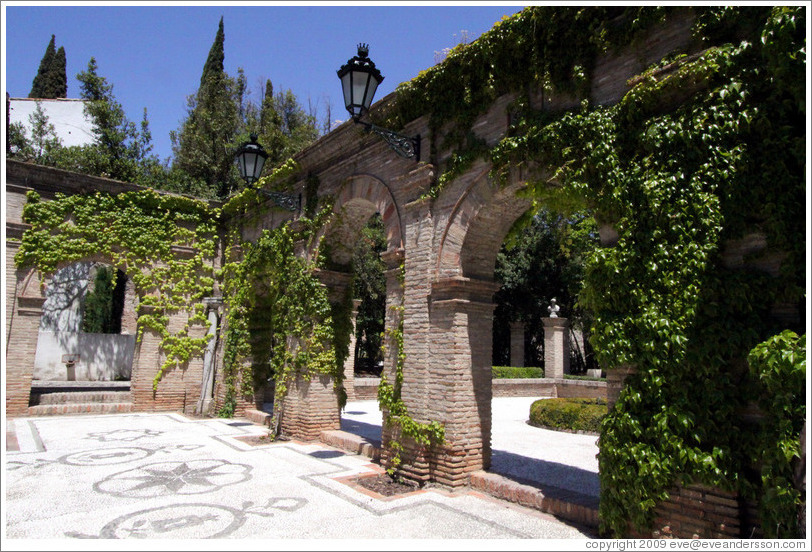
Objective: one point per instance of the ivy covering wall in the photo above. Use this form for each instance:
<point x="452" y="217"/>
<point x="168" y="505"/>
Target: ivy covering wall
<point x="165" y="244"/>
<point x="706" y="148"/>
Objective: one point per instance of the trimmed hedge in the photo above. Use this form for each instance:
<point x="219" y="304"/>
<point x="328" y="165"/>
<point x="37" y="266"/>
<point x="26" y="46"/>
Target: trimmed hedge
<point x="568" y="414"/>
<point x="514" y="372"/>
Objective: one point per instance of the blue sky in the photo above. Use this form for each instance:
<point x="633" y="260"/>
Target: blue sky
<point x="154" y="54"/>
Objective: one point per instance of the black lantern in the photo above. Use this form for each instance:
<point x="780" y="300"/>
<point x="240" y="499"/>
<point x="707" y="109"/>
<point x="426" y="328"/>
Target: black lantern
<point x="250" y="159"/>
<point x="359" y="81"/>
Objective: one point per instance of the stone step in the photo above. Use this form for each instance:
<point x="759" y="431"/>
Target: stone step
<point x="80" y="397"/>
<point x="79" y="408"/>
<point x="351" y="443"/>
<point x="562" y="503"/>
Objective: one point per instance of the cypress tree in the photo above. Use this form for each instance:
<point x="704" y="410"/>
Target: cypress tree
<point x="204" y="145"/>
<point x="214" y="63"/>
<point x="38" y="87"/>
<point x="51" y="80"/>
<point x="57" y="75"/>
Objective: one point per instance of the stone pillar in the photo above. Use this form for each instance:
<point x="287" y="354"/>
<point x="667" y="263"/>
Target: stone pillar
<point x="460" y="389"/>
<point x="517" y="344"/>
<point x="214" y="307"/>
<point x="615" y="379"/>
<point x="556" y="347"/>
<point x="311" y="406"/>
<point x="349" y="363"/>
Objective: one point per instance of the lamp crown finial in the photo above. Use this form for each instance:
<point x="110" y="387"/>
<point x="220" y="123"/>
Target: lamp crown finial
<point x="363" y="50"/>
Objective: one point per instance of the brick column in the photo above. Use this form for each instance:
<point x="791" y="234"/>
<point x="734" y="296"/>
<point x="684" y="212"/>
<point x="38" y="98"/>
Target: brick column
<point x="556" y="347"/>
<point x="615" y="377"/>
<point x="20" y="348"/>
<point x="460" y="390"/>
<point x="393" y="315"/>
<point x="349" y="363"/>
<point x="517" y="344"/>
<point x="311" y="406"/>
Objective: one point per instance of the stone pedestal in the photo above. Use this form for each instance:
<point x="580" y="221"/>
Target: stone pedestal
<point x="517" y="344"/>
<point x="615" y="379"/>
<point x="310" y="407"/>
<point x="556" y="347"/>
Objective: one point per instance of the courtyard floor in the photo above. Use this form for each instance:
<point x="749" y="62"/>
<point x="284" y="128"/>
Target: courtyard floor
<point x="168" y="476"/>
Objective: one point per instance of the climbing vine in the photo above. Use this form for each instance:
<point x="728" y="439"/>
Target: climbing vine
<point x="396" y="414"/>
<point x="163" y="243"/>
<point x="702" y="150"/>
<point x="708" y="146"/>
<point x="280" y="324"/>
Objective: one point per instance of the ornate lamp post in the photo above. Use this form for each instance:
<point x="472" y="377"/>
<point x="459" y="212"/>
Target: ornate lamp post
<point x="359" y="80"/>
<point x="250" y="160"/>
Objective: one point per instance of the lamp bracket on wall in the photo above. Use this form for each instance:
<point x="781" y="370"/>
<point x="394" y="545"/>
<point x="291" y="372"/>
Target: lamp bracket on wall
<point x="407" y="147"/>
<point x="289" y="202"/>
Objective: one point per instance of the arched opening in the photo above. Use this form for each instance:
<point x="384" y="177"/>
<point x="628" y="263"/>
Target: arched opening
<point x="549" y="460"/>
<point x="360" y="254"/>
<point x="541" y="259"/>
<point x="88" y="325"/>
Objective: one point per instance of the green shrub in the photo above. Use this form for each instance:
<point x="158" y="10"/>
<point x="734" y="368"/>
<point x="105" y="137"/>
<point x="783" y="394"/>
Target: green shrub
<point x="568" y="414"/>
<point x="513" y="372"/>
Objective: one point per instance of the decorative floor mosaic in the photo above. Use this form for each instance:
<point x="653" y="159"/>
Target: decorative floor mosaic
<point x="166" y="476"/>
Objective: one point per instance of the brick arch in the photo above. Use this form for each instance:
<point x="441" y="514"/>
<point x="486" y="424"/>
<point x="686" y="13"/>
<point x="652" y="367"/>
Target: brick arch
<point x="478" y="224"/>
<point x="375" y="191"/>
<point x="359" y="197"/>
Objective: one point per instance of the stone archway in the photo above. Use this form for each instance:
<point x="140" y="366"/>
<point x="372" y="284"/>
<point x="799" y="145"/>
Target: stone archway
<point x="311" y="407"/>
<point x="459" y="312"/>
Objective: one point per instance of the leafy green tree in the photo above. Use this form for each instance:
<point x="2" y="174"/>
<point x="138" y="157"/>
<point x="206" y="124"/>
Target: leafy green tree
<point x="115" y="151"/>
<point x="44" y="141"/>
<point x="542" y="259"/>
<point x="281" y="124"/>
<point x="51" y="80"/>
<point x="17" y="143"/>
<point x="369" y="285"/>
<point x="204" y="145"/>
<point x="41" y="147"/>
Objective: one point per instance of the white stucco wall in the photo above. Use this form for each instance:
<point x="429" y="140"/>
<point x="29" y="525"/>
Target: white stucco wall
<point x="102" y="357"/>
<point x="67" y="116"/>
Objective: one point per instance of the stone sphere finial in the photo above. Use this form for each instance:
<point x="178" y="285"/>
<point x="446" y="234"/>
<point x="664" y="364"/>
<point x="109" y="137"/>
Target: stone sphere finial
<point x="553" y="309"/>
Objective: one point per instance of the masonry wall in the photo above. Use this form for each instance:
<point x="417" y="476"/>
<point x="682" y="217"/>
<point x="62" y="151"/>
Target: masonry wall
<point x="178" y="390"/>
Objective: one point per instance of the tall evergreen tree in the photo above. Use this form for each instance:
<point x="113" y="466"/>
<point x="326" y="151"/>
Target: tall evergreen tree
<point x="118" y="150"/>
<point x="51" y="80"/>
<point x="39" y="87"/>
<point x="57" y="75"/>
<point x="214" y="68"/>
<point x="205" y="144"/>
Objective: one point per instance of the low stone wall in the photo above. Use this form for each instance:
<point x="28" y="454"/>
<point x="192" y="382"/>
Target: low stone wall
<point x="549" y="387"/>
<point x="524" y="387"/>
<point x="366" y="389"/>
<point x="580" y="389"/>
